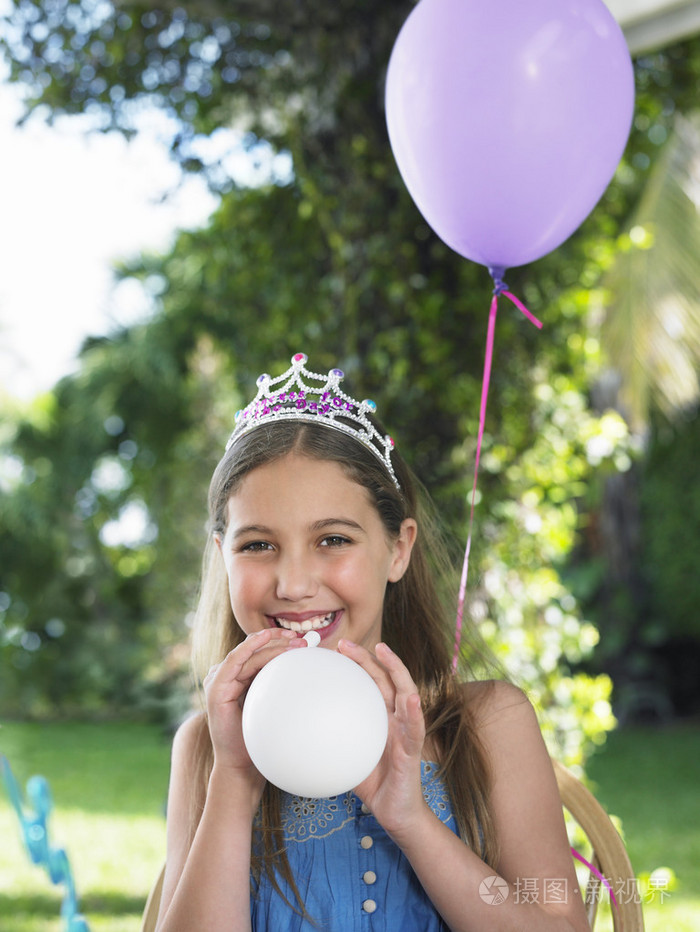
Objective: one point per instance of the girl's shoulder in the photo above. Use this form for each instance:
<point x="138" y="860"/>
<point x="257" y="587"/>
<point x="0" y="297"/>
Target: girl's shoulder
<point x="489" y="700"/>
<point x="190" y="744"/>
<point x="192" y="726"/>
<point x="508" y="729"/>
<point x="190" y="731"/>
<point x="191" y="754"/>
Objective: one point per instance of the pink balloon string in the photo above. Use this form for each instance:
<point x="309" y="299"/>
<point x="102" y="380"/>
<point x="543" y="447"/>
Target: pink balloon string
<point x="500" y="288"/>
<point x="596" y="873"/>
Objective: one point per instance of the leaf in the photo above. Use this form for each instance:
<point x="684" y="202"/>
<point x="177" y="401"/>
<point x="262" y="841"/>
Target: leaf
<point x="651" y="332"/>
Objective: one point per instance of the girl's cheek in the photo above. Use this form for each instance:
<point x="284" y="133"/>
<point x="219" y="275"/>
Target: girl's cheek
<point x="250" y="585"/>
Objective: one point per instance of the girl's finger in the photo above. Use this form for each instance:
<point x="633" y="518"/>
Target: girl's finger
<point x="401" y="678"/>
<point x="375" y="667"/>
<point x="386" y="664"/>
<point x="393" y="679"/>
<point x="408" y="710"/>
<point x="400" y="694"/>
<point x="211" y="673"/>
<point x="245" y="660"/>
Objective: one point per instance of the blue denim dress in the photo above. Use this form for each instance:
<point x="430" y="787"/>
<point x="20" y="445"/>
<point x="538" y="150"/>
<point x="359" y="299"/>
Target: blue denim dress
<point x="350" y="874"/>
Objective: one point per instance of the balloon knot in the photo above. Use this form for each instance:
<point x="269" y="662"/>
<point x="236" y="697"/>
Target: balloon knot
<point x="497" y="273"/>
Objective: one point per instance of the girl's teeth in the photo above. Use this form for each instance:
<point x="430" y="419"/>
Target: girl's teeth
<point x="311" y="624"/>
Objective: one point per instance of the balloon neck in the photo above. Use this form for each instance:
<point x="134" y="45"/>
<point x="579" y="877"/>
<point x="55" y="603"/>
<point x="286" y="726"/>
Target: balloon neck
<point x="497" y="273"/>
<point x="312" y="638"/>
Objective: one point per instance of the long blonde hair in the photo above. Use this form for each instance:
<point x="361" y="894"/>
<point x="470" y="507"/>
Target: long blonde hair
<point x="415" y="625"/>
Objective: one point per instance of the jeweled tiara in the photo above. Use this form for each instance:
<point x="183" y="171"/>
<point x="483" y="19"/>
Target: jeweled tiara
<point x="319" y="399"/>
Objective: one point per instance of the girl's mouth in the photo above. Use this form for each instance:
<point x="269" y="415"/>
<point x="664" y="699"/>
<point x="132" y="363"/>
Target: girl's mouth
<point x="320" y="623"/>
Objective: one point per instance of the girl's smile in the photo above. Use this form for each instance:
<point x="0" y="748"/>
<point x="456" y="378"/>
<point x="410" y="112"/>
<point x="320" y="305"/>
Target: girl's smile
<point x="324" y="623"/>
<point x="305" y="549"/>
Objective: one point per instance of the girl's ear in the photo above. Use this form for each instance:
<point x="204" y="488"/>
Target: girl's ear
<point x="403" y="545"/>
<point x="219" y="541"/>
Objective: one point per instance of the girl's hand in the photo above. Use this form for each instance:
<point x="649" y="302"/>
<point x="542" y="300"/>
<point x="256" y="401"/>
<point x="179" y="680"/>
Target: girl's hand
<point x="225" y="688"/>
<point x="393" y="790"/>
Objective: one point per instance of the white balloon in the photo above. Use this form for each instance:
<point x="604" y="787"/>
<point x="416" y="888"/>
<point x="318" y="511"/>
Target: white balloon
<point x="314" y="722"/>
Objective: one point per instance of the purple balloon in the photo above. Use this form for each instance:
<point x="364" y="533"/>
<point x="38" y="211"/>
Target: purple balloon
<point x="507" y="119"/>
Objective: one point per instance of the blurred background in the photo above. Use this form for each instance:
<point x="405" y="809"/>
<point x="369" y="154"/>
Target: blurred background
<point x="191" y="193"/>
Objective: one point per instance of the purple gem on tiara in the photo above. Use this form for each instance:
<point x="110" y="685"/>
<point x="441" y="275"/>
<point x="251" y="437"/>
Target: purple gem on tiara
<point x="263" y="378"/>
<point x="300" y="357"/>
<point x="338" y="373"/>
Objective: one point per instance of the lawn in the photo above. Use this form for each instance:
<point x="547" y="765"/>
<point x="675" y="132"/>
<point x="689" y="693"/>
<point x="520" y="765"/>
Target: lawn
<point x="109" y="784"/>
<point x="650" y="779"/>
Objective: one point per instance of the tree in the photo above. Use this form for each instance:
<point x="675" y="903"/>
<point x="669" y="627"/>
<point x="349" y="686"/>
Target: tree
<point x="650" y="329"/>
<point x="652" y="325"/>
<point x="335" y="260"/>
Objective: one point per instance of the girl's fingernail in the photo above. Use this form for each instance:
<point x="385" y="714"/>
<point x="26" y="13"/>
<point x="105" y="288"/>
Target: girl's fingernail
<point x="385" y="647"/>
<point x="346" y="642"/>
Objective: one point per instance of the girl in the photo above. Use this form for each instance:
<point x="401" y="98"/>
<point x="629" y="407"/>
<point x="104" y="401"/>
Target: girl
<point x="315" y="524"/>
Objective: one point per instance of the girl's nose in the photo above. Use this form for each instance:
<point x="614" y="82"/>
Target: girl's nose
<point x="296" y="580"/>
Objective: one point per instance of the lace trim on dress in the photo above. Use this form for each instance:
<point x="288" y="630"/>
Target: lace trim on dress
<point x="304" y="818"/>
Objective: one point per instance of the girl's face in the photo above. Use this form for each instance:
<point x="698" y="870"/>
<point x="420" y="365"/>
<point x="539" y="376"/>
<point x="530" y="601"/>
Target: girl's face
<point x="305" y="549"/>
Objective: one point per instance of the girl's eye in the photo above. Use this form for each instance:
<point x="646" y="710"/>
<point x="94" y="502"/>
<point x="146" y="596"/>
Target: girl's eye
<point x="334" y="540"/>
<point x="256" y="546"/>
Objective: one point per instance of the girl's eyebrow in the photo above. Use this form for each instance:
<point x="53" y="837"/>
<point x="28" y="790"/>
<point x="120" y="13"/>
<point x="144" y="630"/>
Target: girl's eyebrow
<point x="251" y="529"/>
<point x="316" y="526"/>
<point x="335" y="522"/>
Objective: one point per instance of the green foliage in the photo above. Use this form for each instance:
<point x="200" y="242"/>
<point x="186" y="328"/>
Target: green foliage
<point x="93" y="541"/>
<point x="671" y="517"/>
<point x="653" y="285"/>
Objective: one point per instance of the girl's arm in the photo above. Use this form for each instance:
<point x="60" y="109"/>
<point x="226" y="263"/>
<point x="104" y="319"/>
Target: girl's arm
<point x="207" y="883"/>
<point x="535" y="859"/>
<point x="207" y="878"/>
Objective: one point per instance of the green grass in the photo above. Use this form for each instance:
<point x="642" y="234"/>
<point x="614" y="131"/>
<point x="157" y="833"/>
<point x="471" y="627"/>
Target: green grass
<point x="650" y="779"/>
<point x="109" y="784"/>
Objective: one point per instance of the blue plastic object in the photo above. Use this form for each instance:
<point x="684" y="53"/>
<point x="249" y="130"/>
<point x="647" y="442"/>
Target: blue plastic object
<point x="34" y="826"/>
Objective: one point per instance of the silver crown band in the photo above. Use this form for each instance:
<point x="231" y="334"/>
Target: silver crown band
<point x="289" y="398"/>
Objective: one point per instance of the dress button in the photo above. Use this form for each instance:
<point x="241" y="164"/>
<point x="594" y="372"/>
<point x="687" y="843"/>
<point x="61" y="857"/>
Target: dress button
<point x="369" y="877"/>
<point x="369" y="906"/>
<point x="366" y="841"/>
